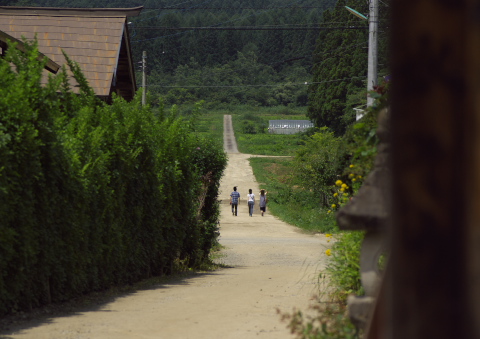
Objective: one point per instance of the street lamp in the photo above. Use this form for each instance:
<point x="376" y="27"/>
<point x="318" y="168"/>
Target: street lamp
<point x="372" y="74"/>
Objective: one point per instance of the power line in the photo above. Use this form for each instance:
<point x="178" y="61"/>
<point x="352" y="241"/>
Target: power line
<point x="248" y="28"/>
<point x="276" y="63"/>
<point x="161" y="14"/>
<point x="306" y="83"/>
<point x="215" y="25"/>
<point x="228" y="8"/>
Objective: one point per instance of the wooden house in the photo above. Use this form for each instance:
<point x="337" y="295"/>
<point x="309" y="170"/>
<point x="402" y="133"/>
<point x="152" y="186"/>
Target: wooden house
<point x="96" y="38"/>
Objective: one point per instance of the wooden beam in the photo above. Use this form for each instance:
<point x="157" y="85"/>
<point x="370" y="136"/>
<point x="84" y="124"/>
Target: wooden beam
<point x="50" y="66"/>
<point x="433" y="287"/>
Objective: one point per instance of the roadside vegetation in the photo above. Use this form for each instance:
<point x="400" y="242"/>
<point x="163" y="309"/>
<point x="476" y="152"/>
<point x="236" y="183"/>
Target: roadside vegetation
<point x="287" y="200"/>
<point x="94" y="195"/>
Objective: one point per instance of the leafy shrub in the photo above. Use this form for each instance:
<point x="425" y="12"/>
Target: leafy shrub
<point x="93" y="195"/>
<point x="343" y="267"/>
<point x="329" y="322"/>
<point x="248" y="127"/>
<point x="319" y="162"/>
<point x="252" y="124"/>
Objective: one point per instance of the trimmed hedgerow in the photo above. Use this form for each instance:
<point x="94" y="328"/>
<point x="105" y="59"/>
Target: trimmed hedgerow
<point x="94" y="195"/>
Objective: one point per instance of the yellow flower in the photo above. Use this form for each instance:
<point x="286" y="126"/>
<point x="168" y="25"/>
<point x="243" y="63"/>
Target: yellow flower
<point x="345" y="194"/>
<point x="338" y="182"/>
<point x="329" y="211"/>
<point x="354" y="179"/>
<point x="328" y="252"/>
<point x="342" y="189"/>
<point x="352" y="166"/>
<point x="359" y="177"/>
<point x="334" y="206"/>
<point x="335" y="194"/>
<point x="328" y="235"/>
<point x="344" y="186"/>
<point x="351" y="175"/>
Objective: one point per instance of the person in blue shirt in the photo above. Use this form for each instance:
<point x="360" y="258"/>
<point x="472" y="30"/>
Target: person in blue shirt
<point x="234" y="200"/>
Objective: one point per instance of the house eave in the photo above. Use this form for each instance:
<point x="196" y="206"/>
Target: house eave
<point x="61" y="11"/>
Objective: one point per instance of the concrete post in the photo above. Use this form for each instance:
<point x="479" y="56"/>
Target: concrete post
<point x="372" y="75"/>
<point x="144" y="78"/>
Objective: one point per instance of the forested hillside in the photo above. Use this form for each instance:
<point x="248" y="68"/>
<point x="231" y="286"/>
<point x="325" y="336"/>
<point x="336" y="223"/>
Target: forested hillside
<point x="283" y="61"/>
<point x="242" y="66"/>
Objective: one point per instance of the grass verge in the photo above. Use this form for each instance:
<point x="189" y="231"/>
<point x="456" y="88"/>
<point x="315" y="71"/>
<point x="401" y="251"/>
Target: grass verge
<point x="210" y="125"/>
<point x="251" y="124"/>
<point x="287" y="201"/>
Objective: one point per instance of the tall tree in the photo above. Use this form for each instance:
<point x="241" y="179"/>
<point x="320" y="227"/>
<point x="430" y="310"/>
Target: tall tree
<point x="340" y="66"/>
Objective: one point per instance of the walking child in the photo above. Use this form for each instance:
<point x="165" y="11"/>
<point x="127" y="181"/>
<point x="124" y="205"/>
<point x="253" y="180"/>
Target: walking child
<point x="234" y="200"/>
<point x="263" y="201"/>
<point x="251" y="202"/>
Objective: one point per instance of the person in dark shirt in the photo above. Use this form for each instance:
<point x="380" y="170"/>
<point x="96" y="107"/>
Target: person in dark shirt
<point x="263" y="201"/>
<point x="234" y="200"/>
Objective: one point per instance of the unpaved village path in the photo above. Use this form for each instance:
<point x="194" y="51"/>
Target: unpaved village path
<point x="273" y="265"/>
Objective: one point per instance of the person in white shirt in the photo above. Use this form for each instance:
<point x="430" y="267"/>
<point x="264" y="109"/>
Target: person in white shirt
<point x="251" y="202"/>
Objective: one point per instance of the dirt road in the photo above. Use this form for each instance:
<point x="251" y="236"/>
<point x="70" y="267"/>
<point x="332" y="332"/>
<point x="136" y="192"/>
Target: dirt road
<point x="272" y="266"/>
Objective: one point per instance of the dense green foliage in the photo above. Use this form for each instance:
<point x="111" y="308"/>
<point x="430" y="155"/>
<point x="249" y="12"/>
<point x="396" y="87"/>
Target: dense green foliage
<point x="92" y="195"/>
<point x="340" y="66"/>
<point x="338" y="55"/>
<point x="243" y="80"/>
<point x="319" y="162"/>
<point x="343" y="269"/>
<point x="335" y="167"/>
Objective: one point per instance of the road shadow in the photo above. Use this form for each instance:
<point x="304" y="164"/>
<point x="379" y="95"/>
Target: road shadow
<point x="95" y="301"/>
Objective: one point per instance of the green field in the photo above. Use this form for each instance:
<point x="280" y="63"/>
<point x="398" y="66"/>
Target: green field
<point x="210" y="124"/>
<point x="250" y="126"/>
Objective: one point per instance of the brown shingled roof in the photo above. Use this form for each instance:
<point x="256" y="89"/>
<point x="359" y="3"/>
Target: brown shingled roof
<point x="5" y="39"/>
<point x="97" y="39"/>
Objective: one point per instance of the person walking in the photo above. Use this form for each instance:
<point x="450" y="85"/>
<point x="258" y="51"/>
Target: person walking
<point x="251" y="202"/>
<point x="263" y="201"/>
<point x="234" y="200"/>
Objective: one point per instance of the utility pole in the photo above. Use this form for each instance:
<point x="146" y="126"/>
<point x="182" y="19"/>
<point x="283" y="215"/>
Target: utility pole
<point x="372" y="76"/>
<point x="144" y="78"/>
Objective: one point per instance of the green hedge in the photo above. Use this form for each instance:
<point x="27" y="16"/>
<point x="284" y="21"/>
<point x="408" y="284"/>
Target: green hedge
<point x="94" y="195"/>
